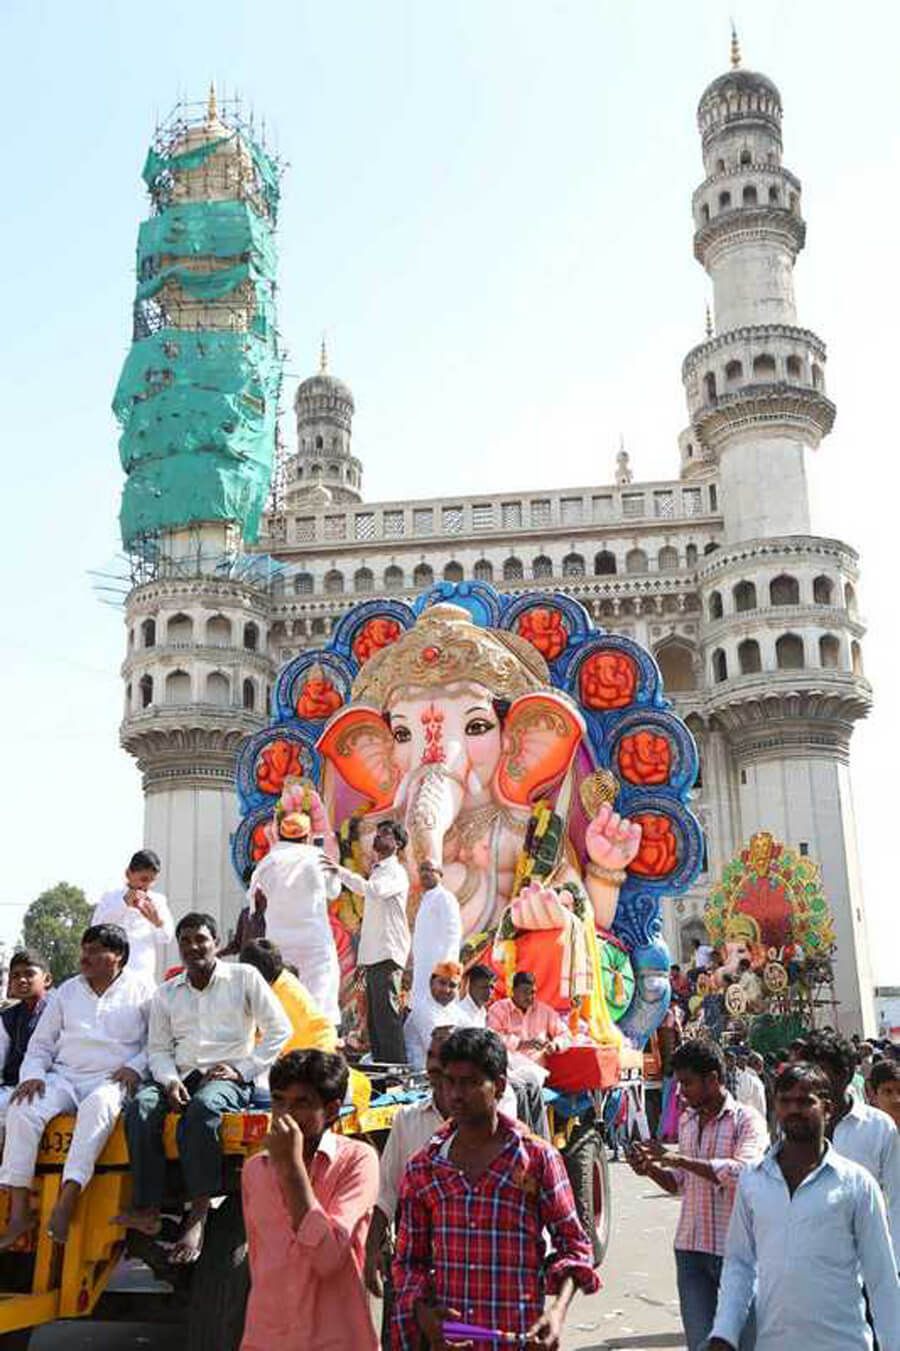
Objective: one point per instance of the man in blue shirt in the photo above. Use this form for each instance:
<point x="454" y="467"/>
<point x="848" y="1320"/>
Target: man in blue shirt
<point x="808" y="1227"/>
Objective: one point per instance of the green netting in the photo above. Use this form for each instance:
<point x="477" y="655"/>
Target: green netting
<point x="202" y="285"/>
<point x="157" y="167"/>
<point x="208" y="229"/>
<point x="198" y="429"/>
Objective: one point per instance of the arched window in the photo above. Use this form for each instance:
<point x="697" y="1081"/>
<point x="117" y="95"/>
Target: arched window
<point x="709" y="384"/>
<point x="178" y="687"/>
<point x="248" y="695"/>
<point x="748" y="196"/>
<point x="179" y="629"/>
<point x="774" y="195"/>
<point x="850" y="599"/>
<point x="794" y="367"/>
<point x="218" y="689"/>
<point x="573" y="566"/>
<point x="513" y="570"/>
<point x="276" y="586"/>
<point x="218" y="631"/>
<point x="817" y="376"/>
<point x="320" y="444"/>
<point x="719" y="666"/>
<point x="690" y="555"/>
<point x="724" y="201"/>
<point x="749" y="659"/>
<point x="334" y="582"/>
<point x="422" y="576"/>
<point x="667" y="559"/>
<point x="604" y="564"/>
<point x="128" y="697"/>
<point x="483" y="570"/>
<point x="303" y="584"/>
<point x="676" y="665"/>
<point x="319" y="626"/>
<point x="393" y="578"/>
<point x="764" y="367"/>
<point x="335" y="469"/>
<point x="146" y="688"/>
<point x="734" y="372"/>
<point x="251" y="637"/>
<point x="542" y="567"/>
<point x="784" y="591"/>
<point x="148" y="633"/>
<point x="720" y="166"/>
<point x="711" y="547"/>
<point x="823" y="590"/>
<point x="704" y="213"/>
<point x="789" y="652"/>
<point x="453" y="572"/>
<point x="130" y="639"/>
<point x="744" y="597"/>
<point x="829" y="651"/>
<point x="363" y="580"/>
<point x="746" y="157"/>
<point x="856" y="661"/>
<point x="716" y="609"/>
<point x="635" y="561"/>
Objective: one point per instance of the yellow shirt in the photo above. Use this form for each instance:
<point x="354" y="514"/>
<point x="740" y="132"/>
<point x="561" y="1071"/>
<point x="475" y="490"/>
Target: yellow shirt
<point x="310" y="1027"/>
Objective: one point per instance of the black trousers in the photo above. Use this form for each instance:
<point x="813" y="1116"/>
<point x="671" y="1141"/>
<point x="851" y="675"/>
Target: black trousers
<point x="383" y="1015"/>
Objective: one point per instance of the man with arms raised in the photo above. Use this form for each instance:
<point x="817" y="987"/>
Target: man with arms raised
<point x="213" y="1029"/>
<point x="473" y="1207"/>
<point x="808" y="1229"/>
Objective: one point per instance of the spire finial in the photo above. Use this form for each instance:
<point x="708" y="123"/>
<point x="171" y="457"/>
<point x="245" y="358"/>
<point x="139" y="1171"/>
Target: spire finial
<point x="735" y="47"/>
<point x="212" y="107"/>
<point x="323" y="357"/>
<point x="709" y="322"/>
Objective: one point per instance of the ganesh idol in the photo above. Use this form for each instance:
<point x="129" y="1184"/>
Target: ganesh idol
<point x="455" y="730"/>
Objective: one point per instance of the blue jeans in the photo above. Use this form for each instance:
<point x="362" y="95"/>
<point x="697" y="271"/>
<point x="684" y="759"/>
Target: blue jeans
<point x="698" y="1290"/>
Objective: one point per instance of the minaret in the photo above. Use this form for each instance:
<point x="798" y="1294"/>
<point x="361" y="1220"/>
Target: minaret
<point x="197" y="402"/>
<point x="782" y="636"/>
<point x="324" y="410"/>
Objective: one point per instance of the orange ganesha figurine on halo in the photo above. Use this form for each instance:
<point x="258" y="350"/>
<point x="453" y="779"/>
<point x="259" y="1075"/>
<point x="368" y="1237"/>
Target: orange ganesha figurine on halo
<point x="375" y="634"/>
<point x="608" y="680"/>
<point x="318" y="698"/>
<point x="543" y="627"/>
<point x="645" y="758"/>
<point x="278" y="761"/>
<point x="658" y="850"/>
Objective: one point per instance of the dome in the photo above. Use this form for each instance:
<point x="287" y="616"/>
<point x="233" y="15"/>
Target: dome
<point x="739" y="81"/>
<point x="323" y="385"/>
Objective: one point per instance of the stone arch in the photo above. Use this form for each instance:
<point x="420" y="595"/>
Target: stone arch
<point x="744" y="595"/>
<point x="179" y="629"/>
<point x="793" y="367"/>
<point x="850" y="599"/>
<point x="690" y="555"/>
<point x="453" y="572"/>
<point x="856" y="660"/>
<point x="817" y="379"/>
<point x="393" y="578"/>
<point x="573" y="566"/>
<point x="422" y="576"/>
<point x="363" y="581"/>
<point x="675" y="659"/>
<point x="218" y="689"/>
<point x="716" y="608"/>
<point x="829" y="652"/>
<point x="178" y="688"/>
<point x="749" y="657"/>
<point x="542" y="567"/>
<point x="218" y="631"/>
<point x="636" y="561"/>
<point x="823" y="590"/>
<point x="148" y="633"/>
<point x="333" y="582"/>
<point x="304" y="585"/>
<point x="724" y="200"/>
<point x="604" y="564"/>
<point x="749" y="196"/>
<point x="251" y="637"/>
<point x="789" y="654"/>
<point x="513" y="570"/>
<point x="709" y="384"/>
<point x="784" y="590"/>
<point x="667" y="559"/>
<point x="719" y="665"/>
<point x="764" y="366"/>
<point x="483" y="570"/>
<point x="145" y="690"/>
<point x="734" y="372"/>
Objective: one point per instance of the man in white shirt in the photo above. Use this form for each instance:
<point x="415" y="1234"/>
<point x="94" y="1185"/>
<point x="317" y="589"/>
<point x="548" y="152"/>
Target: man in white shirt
<point x="857" y="1131"/>
<point x="384" y="939"/>
<point x="86" y="1055"/>
<point x="480" y="982"/>
<point x="440" y="1008"/>
<point x="143" y="914"/>
<point x="437" y="934"/>
<point x="213" y="1029"/>
<point x="295" y="890"/>
<point x="749" y="1087"/>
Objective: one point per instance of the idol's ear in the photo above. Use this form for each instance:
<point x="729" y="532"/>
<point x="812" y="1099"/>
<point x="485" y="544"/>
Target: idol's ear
<point x="541" y="734"/>
<point x="358" y="743"/>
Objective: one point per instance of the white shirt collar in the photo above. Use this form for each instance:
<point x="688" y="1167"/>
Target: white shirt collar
<point x="328" y="1145"/>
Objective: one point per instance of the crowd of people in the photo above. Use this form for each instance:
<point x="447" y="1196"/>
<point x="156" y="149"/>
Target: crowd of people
<point x="788" y="1176"/>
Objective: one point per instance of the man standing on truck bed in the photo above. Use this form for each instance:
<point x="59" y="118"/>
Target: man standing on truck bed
<point x="143" y="914"/>
<point x="213" y="1029"/>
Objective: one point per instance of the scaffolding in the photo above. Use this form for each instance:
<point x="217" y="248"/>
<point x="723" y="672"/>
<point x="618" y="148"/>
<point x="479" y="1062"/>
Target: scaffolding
<point x="197" y="399"/>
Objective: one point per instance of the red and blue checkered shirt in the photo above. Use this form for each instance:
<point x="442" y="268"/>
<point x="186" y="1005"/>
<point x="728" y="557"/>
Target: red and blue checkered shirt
<point x="478" y="1247"/>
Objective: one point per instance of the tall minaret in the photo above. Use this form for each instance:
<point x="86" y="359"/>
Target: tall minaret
<point x="197" y="402"/>
<point x="782" y="636"/>
<point x="324" y="409"/>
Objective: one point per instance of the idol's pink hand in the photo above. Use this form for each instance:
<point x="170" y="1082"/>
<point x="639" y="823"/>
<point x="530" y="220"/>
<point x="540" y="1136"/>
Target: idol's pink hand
<point x="611" y="840"/>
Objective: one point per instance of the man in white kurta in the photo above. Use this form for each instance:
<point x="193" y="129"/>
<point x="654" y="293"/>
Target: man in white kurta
<point x="439" y="1008"/>
<point x="437" y="933"/>
<point x="87" y="1053"/>
<point x="297" y="890"/>
<point x="144" y="914"/>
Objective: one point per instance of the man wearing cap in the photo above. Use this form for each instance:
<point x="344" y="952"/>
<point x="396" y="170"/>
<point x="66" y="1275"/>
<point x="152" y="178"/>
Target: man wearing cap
<point x="439" y="1008"/>
<point x="384" y="938"/>
<point x="295" y="884"/>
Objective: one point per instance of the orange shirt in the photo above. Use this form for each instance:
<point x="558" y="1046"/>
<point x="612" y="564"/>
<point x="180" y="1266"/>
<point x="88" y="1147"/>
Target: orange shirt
<point x="306" y="1286"/>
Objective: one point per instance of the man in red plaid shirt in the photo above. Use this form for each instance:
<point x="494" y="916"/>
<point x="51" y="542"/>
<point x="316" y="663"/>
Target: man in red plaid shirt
<point x="474" y="1205"/>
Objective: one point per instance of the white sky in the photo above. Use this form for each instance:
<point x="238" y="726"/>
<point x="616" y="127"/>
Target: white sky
<point x="488" y="210"/>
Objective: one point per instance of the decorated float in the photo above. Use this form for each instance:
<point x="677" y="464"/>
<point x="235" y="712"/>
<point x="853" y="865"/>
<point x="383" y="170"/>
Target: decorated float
<point x="770" y="910"/>
<point x="532" y="753"/>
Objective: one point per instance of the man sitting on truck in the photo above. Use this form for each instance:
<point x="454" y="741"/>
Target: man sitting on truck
<point x="86" y="1055"/>
<point x="213" y="1028"/>
<point x="526" y="1025"/>
<point x="29" y="984"/>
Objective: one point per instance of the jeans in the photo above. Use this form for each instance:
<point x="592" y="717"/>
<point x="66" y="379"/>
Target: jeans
<point x="197" y="1133"/>
<point x="698" y="1290"/>
<point x="383" y="1015"/>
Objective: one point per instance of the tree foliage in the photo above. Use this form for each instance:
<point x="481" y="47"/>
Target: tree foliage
<point x="53" y="926"/>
